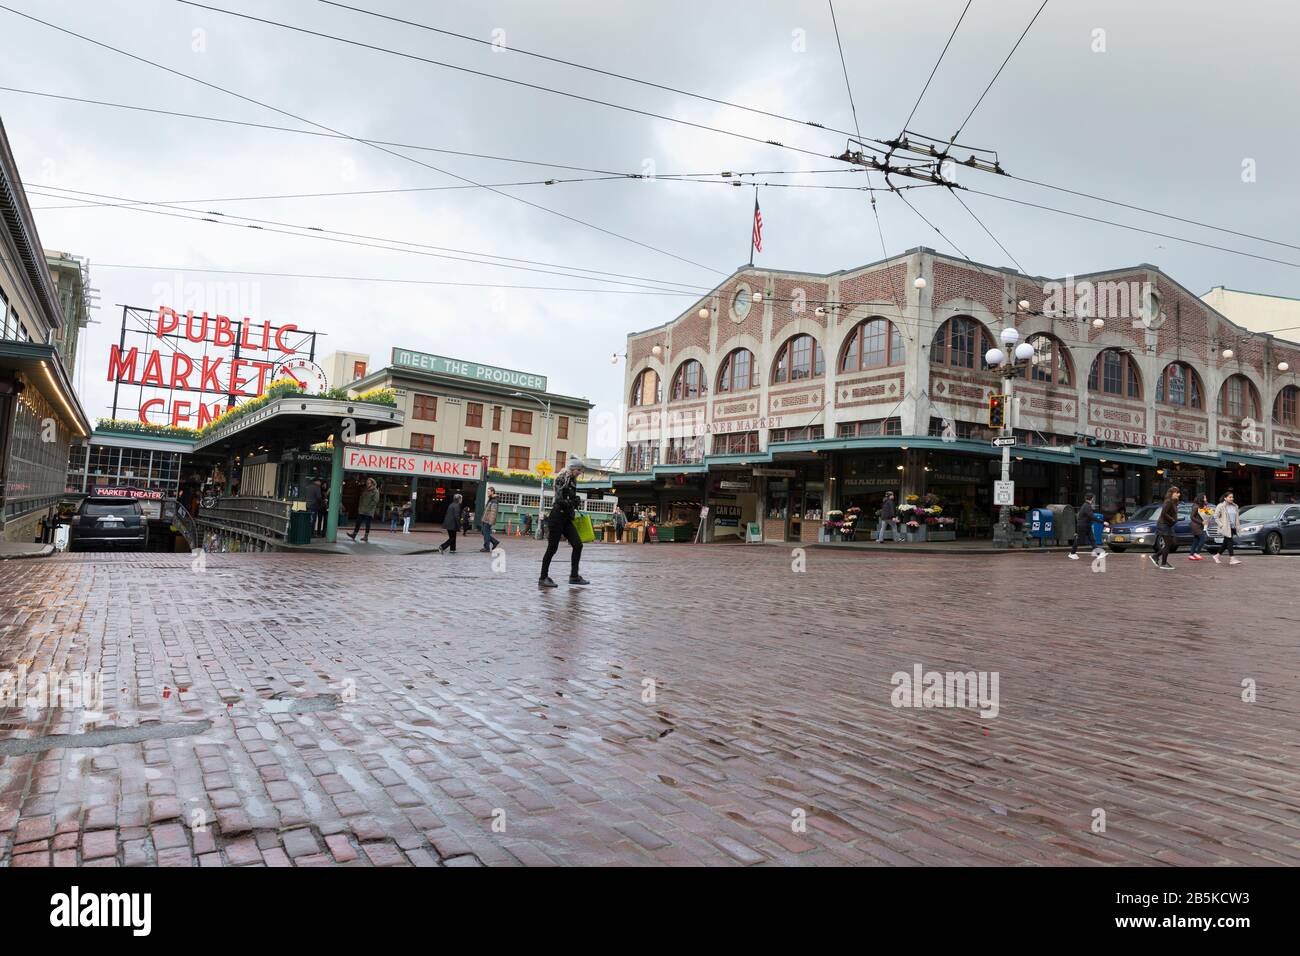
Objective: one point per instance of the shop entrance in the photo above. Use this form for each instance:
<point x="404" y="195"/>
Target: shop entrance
<point x="433" y="499"/>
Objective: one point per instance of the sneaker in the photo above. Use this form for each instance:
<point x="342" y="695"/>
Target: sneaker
<point x="484" y="550"/>
<point x="1152" y="559"/>
<point x="352" y="535"/>
<point x="1165" y="567"/>
<point x="578" y="579"/>
<point x="1074" y="557"/>
<point x="1216" y="559"/>
<point x="547" y="583"/>
<point x="1234" y="561"/>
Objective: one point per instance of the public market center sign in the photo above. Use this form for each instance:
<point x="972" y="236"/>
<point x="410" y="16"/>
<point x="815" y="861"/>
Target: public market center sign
<point x="406" y="358"/>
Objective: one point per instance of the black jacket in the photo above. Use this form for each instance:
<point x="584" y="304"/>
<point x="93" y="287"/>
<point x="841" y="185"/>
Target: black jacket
<point x="1168" y="514"/>
<point x="567" y="501"/>
<point x="451" y="521"/>
<point x="888" y="509"/>
<point x="1198" y="520"/>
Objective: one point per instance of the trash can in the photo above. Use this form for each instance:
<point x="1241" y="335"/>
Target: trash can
<point x="299" y="527"/>
<point x="1065" y="522"/>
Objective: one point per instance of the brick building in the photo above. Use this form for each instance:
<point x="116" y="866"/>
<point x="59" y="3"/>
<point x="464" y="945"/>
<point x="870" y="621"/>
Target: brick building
<point x="780" y="396"/>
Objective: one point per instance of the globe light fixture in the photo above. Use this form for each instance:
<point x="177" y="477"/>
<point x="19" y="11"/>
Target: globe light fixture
<point x="1024" y="305"/>
<point x="703" y="313"/>
<point x="657" y="351"/>
<point x="1010" y="335"/>
<point x="819" y="310"/>
<point x="919" y="282"/>
<point x="613" y="359"/>
<point x="995" y="357"/>
<point x="1025" y="352"/>
<point x="1283" y="366"/>
<point x="1098" y="323"/>
<point x="758" y="296"/>
<point x="1227" y="353"/>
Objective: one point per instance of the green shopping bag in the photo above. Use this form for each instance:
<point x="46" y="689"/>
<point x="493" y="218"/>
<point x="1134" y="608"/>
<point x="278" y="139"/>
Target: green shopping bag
<point x="582" y="521"/>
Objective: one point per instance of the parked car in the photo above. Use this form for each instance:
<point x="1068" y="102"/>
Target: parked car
<point x="1269" y="528"/>
<point x="109" y="523"/>
<point x="1139" y="531"/>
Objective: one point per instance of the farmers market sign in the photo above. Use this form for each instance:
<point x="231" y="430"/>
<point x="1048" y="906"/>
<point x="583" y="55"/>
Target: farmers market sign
<point x="425" y="362"/>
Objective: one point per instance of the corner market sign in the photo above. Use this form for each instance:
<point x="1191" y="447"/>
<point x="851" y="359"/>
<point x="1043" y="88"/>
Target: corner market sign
<point x="425" y="362"/>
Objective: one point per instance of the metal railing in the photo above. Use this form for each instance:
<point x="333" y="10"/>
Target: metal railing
<point x="251" y="521"/>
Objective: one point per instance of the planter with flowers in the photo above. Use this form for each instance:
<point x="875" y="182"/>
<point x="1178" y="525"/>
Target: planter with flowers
<point x="911" y="519"/>
<point x="939" y="527"/>
<point x="832" y="526"/>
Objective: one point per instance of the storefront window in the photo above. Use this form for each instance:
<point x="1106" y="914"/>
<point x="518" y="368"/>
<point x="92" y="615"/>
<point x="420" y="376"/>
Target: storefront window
<point x="807" y="433"/>
<point x="738" y="372"/>
<point x="1115" y="373"/>
<point x="646" y="390"/>
<point x="958" y="341"/>
<point x="799" y="358"/>
<point x="1179" y="384"/>
<point x="689" y="381"/>
<point x="735" y="443"/>
<point x="869" y="429"/>
<point x="1238" y="398"/>
<point x="1284" y="407"/>
<point x="873" y="343"/>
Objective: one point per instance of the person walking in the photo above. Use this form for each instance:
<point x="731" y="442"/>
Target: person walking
<point x="528" y="524"/>
<point x="620" y="522"/>
<point x="1165" y="541"/>
<point x="1200" y="510"/>
<point x="393" y="515"/>
<point x="1225" y="517"/>
<point x="316" y="507"/>
<point x="489" y="522"/>
<point x="560" y="525"/>
<point x="451" y="524"/>
<point x="888" y="519"/>
<point x="367" y="505"/>
<point x="1083" y="527"/>
<point x="406" y="518"/>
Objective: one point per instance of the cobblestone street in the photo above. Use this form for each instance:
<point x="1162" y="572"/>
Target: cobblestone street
<point x="695" y="704"/>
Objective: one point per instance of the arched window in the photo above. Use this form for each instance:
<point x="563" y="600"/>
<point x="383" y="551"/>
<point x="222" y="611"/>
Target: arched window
<point x="689" y="381"/>
<point x="1114" y="372"/>
<point x="739" y="371"/>
<point x="646" y="390"/>
<point x="873" y="343"/>
<point x="960" y="343"/>
<point x="1179" y="384"/>
<point x="801" y="357"/>
<point x="1051" y="363"/>
<point x="1238" y="398"/>
<point x="1285" y="406"/>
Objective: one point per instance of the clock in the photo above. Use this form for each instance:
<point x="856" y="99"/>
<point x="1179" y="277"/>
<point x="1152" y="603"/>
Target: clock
<point x="740" y="304"/>
<point x="306" y="373"/>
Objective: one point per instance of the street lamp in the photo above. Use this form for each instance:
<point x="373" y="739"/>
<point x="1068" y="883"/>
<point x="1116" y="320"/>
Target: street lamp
<point x="546" y="451"/>
<point x="1008" y="364"/>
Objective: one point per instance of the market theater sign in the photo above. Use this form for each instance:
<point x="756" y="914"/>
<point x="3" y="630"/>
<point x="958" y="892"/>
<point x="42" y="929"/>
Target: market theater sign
<point x="382" y="461"/>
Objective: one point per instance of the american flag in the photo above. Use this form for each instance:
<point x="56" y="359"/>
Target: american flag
<point x="758" y="226"/>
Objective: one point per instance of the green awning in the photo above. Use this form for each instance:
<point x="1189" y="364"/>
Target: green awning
<point x="1189" y="458"/>
<point x="1260" y="461"/>
<point x="1127" y="457"/>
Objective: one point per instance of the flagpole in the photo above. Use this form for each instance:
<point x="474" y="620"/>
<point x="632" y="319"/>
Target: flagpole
<point x="751" y="226"/>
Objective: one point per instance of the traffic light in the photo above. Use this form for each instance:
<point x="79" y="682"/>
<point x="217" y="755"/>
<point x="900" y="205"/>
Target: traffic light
<point x="997" y="411"/>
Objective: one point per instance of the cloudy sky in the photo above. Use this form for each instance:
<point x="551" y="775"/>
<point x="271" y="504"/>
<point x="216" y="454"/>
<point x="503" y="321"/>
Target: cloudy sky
<point x="1164" y="117"/>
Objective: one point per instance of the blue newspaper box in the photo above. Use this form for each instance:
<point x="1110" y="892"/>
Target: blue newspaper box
<point x="1041" y="524"/>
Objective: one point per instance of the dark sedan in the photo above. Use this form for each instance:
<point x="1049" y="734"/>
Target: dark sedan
<point x="1269" y="528"/>
<point x="1139" y="531"/>
<point x="109" y="523"/>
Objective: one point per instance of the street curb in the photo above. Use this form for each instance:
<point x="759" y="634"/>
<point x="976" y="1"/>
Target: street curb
<point x="924" y="549"/>
<point x="45" y="552"/>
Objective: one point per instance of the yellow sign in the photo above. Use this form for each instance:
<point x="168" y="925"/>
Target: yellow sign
<point x="544" y="468"/>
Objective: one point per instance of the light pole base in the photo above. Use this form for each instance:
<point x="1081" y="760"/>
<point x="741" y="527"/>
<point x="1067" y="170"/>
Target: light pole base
<point x="1003" y="531"/>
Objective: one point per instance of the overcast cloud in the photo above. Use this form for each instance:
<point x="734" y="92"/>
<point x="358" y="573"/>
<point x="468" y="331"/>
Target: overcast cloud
<point x="1163" y="118"/>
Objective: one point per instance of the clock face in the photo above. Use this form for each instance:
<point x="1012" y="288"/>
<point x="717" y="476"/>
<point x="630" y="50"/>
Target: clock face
<point x="307" y="374"/>
<point x="740" y="304"/>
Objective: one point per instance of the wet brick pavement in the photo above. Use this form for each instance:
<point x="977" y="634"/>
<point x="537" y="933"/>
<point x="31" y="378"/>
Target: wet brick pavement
<point x="426" y="710"/>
